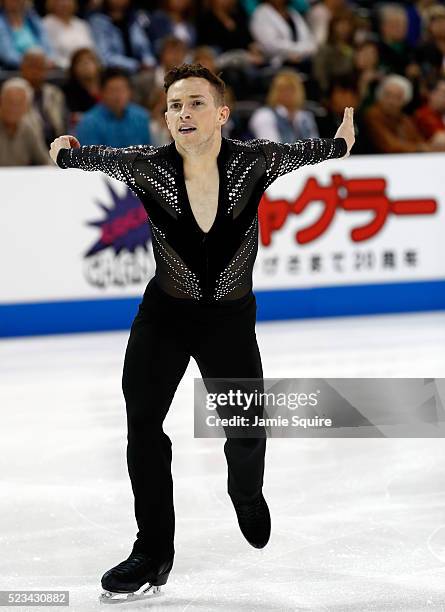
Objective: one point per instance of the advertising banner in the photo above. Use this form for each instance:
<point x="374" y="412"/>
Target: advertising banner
<point x="352" y="236"/>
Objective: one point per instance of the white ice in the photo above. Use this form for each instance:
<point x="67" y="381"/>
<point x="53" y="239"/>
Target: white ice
<point x="357" y="524"/>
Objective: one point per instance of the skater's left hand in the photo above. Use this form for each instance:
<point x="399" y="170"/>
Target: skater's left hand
<point x="346" y="129"/>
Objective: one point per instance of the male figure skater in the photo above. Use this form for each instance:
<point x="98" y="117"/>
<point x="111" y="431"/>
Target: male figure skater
<point x="201" y="193"/>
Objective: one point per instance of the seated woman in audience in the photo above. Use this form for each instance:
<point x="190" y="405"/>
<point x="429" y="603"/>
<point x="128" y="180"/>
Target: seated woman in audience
<point x="387" y="126"/>
<point x="224" y="25"/>
<point x="336" y="57"/>
<point x="20" y="29"/>
<point x="173" y="18"/>
<point x="283" y="119"/>
<point x="367" y="71"/>
<point x="120" y="38"/>
<point x="282" y="34"/>
<point x="319" y="18"/>
<point x="66" y="32"/>
<point x="82" y="89"/>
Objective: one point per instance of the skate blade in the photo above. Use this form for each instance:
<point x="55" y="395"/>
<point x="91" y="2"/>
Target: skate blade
<point x="147" y="592"/>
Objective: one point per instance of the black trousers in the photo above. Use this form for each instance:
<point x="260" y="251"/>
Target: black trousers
<point x="165" y="333"/>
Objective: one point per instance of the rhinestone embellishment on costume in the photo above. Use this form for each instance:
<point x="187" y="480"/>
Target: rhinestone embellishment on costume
<point x="184" y="280"/>
<point x="231" y="276"/>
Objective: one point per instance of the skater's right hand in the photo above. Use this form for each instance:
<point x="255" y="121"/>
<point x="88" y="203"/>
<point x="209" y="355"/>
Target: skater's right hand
<point x="63" y="142"/>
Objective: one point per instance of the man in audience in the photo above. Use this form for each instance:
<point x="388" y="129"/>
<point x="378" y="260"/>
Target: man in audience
<point x="396" y="55"/>
<point x="48" y="112"/>
<point x="172" y="52"/>
<point x="115" y="121"/>
<point x="20" y="144"/>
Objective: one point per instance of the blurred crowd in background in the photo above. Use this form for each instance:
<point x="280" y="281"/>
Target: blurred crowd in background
<point x="95" y="69"/>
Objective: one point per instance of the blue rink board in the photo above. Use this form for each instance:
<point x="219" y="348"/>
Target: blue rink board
<point x="23" y="319"/>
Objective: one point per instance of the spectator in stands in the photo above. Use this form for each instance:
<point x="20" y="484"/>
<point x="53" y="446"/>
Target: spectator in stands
<point x="283" y="118"/>
<point x="430" y="54"/>
<point x="82" y="88"/>
<point x="224" y="25"/>
<point x="66" y="32"/>
<point x="430" y="118"/>
<point x="233" y="127"/>
<point x="342" y="92"/>
<point x="20" y="29"/>
<point x="249" y="6"/>
<point x="206" y="56"/>
<point x="236" y="126"/>
<point x="48" y="112"/>
<point x="173" y="52"/>
<point x="396" y="55"/>
<point x="319" y="18"/>
<point x="366" y="67"/>
<point x="115" y="121"/>
<point x="336" y="57"/>
<point x="173" y="18"/>
<point x="20" y="144"/>
<point x="85" y="7"/>
<point x="388" y="127"/>
<point x="157" y="106"/>
<point x="282" y="34"/>
<point x="417" y="16"/>
<point x="120" y="37"/>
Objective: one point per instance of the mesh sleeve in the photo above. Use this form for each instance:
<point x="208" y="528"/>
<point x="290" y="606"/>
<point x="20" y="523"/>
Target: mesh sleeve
<point x="112" y="161"/>
<point x="282" y="158"/>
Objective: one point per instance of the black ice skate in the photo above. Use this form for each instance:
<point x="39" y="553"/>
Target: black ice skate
<point x="138" y="577"/>
<point x="254" y="521"/>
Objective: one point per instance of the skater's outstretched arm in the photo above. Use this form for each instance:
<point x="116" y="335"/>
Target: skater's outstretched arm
<point x="282" y="158"/>
<point x="67" y="152"/>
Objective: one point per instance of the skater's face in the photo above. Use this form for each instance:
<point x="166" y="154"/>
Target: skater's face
<point x="191" y="101"/>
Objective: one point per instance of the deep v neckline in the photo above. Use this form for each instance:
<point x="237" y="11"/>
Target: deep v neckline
<point x="185" y="195"/>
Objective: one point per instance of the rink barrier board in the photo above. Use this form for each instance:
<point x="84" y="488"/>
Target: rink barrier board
<point x="76" y="316"/>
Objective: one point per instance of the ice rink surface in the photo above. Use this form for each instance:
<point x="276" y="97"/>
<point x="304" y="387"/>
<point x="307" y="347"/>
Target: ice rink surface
<point x="357" y="524"/>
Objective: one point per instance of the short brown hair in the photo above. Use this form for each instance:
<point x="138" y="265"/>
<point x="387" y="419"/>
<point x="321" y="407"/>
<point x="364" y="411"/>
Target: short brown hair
<point x="197" y="70"/>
